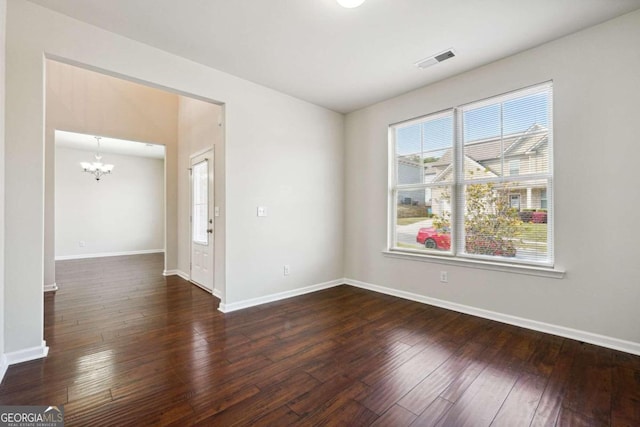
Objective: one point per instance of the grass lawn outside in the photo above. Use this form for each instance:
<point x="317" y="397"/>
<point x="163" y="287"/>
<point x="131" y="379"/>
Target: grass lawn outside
<point x="409" y="246"/>
<point x="533" y="232"/>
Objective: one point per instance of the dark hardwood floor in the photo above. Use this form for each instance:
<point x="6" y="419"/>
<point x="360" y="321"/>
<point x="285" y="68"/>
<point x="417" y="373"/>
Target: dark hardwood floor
<point x="131" y="347"/>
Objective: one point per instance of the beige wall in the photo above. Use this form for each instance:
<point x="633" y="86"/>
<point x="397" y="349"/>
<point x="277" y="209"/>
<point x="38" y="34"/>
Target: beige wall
<point x="83" y="101"/>
<point x="200" y="127"/>
<point x="595" y="145"/>
<point x="280" y="152"/>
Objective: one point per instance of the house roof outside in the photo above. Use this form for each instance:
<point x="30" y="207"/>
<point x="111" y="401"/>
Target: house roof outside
<point x="479" y="154"/>
<point x="522" y="143"/>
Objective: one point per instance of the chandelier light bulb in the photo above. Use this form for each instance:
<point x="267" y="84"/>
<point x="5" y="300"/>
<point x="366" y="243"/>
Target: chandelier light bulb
<point x="349" y="4"/>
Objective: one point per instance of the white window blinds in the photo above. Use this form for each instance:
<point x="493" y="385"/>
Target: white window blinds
<point x="476" y="181"/>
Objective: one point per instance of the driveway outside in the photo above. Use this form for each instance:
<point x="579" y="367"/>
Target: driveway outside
<point x="407" y="233"/>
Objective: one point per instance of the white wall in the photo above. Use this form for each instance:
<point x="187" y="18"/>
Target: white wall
<point x="123" y="212"/>
<point x="200" y="127"/>
<point x="596" y="75"/>
<point x="281" y="152"/>
<point x="3" y="16"/>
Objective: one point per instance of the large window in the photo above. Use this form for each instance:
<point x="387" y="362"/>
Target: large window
<point x="475" y="181"/>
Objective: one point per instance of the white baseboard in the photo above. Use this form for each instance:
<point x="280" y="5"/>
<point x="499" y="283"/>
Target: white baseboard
<point x="27" y="354"/>
<point x="108" y="254"/>
<point x="217" y="293"/>
<point x="51" y="288"/>
<point x="3" y="366"/>
<point x="600" y="340"/>
<point x="180" y="273"/>
<point x="227" y="308"/>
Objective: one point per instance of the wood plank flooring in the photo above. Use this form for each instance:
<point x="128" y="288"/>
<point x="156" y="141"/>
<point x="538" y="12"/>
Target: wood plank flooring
<point x="131" y="347"/>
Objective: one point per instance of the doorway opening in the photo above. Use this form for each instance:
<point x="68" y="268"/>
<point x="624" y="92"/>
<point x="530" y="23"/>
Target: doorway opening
<point x="103" y="212"/>
<point x="86" y="102"/>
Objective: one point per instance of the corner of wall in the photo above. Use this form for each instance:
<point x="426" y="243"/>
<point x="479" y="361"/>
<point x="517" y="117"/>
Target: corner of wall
<point x="3" y="366"/>
<point x="27" y="354"/>
<point x="3" y="17"/>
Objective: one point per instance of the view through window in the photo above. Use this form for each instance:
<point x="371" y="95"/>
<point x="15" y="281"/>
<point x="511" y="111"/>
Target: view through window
<point x="476" y="180"/>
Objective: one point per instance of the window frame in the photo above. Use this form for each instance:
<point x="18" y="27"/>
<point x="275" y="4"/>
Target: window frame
<point x="457" y="252"/>
<point x="394" y="187"/>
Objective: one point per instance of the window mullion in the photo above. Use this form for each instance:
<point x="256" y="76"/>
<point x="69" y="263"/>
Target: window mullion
<point x="550" y="218"/>
<point x="392" y="190"/>
<point x="421" y="153"/>
<point x="457" y="205"/>
<point x="501" y="180"/>
<point x="409" y="187"/>
<point x="502" y="174"/>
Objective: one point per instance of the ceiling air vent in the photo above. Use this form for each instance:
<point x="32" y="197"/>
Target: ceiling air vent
<point x="433" y="60"/>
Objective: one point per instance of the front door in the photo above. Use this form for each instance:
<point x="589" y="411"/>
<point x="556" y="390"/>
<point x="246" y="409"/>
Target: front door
<point x="202" y="236"/>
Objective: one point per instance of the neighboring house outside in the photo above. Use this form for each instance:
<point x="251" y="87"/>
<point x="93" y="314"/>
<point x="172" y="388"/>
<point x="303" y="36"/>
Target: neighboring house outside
<point x="525" y="153"/>
<point x="409" y="171"/>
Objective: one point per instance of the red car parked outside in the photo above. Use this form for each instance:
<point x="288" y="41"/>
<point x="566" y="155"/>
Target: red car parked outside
<point x="433" y="238"/>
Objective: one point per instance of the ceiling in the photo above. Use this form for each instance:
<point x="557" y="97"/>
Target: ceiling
<point x="342" y="59"/>
<point x="123" y="147"/>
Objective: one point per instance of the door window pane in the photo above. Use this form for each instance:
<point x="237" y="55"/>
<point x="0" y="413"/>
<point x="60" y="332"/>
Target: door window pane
<point x="200" y="208"/>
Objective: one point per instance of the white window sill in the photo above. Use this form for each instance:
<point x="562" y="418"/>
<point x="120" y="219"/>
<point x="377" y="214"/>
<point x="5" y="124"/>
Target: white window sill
<point x="483" y="265"/>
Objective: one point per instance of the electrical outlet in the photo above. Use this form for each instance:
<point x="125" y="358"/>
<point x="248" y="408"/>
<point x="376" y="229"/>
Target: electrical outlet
<point x="444" y="277"/>
<point x="262" y="211"/>
<point x="287" y="270"/>
<point x="81" y="243"/>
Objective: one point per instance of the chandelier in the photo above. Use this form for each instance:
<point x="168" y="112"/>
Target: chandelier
<point x="97" y="168"/>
